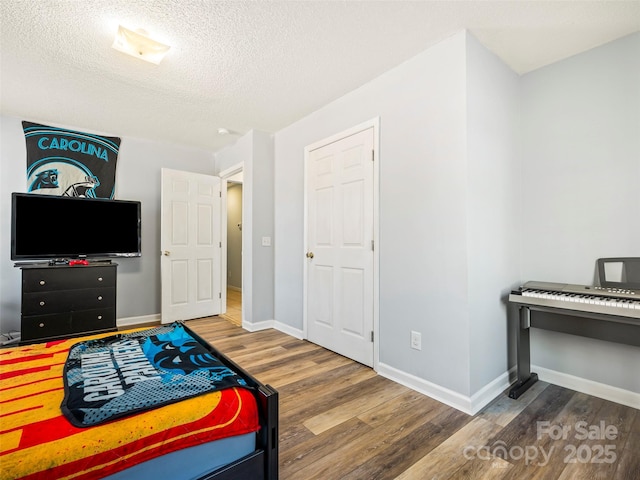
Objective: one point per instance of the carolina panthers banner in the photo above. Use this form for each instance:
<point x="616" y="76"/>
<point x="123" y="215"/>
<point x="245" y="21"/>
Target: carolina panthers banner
<point x="127" y="373"/>
<point x="73" y="164"/>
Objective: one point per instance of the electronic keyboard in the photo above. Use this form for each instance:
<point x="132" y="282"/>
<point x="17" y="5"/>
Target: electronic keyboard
<point x="581" y="298"/>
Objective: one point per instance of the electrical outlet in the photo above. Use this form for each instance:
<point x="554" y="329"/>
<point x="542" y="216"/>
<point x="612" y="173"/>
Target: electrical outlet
<point x="416" y="340"/>
<point x="266" y="241"/>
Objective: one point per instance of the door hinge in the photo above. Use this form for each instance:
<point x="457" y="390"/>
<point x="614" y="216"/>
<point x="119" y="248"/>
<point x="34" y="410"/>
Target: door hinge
<point x="219" y="294"/>
<point x="220" y="193"/>
<point x="220" y="245"/>
<point x="372" y="335"/>
<point x="373" y="245"/>
<point x="373" y="155"/>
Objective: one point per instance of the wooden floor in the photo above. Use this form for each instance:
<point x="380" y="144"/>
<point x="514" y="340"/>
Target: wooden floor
<point x="340" y="420"/>
<point x="234" y="307"/>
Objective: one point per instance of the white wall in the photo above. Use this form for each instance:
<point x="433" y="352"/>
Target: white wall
<point x="241" y="153"/>
<point x="262" y="172"/>
<point x="424" y="210"/>
<point x="137" y="178"/>
<point x="581" y="191"/>
<point x="13" y="178"/>
<point x="486" y="180"/>
<point x="493" y="209"/>
<point x="255" y="151"/>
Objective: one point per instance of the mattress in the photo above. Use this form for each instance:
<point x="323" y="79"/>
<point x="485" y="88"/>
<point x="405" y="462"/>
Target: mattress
<point x="38" y="441"/>
<point x="193" y="462"/>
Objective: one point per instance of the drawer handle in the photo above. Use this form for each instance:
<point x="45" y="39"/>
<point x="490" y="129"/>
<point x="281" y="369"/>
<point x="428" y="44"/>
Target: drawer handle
<point x="42" y="304"/>
<point x="42" y="282"/>
<point x="41" y="325"/>
<point x="99" y="279"/>
<point x="99" y="297"/>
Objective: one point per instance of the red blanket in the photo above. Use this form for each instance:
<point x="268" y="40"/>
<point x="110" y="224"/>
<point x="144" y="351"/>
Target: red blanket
<point x="37" y="441"/>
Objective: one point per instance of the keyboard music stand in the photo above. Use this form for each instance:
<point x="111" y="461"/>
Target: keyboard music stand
<point x="629" y="268"/>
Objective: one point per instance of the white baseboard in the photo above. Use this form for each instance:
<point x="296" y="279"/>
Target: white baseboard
<point x="288" y="329"/>
<point x="469" y="405"/>
<point x="264" y="325"/>
<point x="600" y="390"/>
<point x="135" y="321"/>
<point x="491" y="390"/>
<point x="257" y="326"/>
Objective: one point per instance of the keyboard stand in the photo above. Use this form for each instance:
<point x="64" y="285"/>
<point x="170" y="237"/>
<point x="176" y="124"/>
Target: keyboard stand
<point x="611" y="328"/>
<point x="526" y="378"/>
<point x="519" y="387"/>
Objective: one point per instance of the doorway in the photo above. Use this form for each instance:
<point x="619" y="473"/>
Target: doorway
<point x="234" y="249"/>
<point x="237" y="284"/>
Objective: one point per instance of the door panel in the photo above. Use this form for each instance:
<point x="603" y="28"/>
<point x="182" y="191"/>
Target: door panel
<point x="190" y="243"/>
<point x="340" y="234"/>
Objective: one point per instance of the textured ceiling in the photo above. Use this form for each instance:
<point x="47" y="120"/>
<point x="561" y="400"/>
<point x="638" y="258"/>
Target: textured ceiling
<point x="255" y="65"/>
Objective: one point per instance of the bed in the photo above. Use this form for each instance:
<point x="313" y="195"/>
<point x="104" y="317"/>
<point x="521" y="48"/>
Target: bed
<point x="226" y="433"/>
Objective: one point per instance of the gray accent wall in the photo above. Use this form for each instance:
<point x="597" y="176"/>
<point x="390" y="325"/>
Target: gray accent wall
<point x="487" y="180"/>
<point x="493" y="210"/>
<point x="581" y="191"/>
<point x="448" y="195"/>
<point x="255" y="151"/>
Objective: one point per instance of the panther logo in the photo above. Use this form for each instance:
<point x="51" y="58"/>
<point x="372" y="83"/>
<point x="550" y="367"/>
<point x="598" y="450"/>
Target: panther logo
<point x="45" y="179"/>
<point x="187" y="356"/>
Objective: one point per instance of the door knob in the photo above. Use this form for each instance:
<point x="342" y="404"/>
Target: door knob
<point x="166" y="253"/>
<point x="309" y="254"/>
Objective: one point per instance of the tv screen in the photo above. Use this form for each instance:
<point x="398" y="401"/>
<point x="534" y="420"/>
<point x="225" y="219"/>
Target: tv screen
<point x="55" y="227"/>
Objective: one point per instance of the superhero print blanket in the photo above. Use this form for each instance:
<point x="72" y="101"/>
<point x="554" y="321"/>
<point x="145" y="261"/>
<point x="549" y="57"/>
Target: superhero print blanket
<point x="128" y="373"/>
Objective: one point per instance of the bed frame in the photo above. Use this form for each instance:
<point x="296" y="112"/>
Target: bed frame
<point x="262" y="464"/>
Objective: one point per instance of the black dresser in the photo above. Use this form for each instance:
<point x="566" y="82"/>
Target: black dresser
<point x="61" y="301"/>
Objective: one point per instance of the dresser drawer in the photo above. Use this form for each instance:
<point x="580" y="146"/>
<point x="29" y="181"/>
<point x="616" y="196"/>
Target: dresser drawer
<point x="67" y="300"/>
<point x="65" y="278"/>
<point x="43" y="326"/>
<point x="93" y="320"/>
<point x="40" y="327"/>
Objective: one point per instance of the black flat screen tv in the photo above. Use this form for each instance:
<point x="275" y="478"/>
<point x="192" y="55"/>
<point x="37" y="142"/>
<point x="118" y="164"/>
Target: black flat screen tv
<point x="58" y="228"/>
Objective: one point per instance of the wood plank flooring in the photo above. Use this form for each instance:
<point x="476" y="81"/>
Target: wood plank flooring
<point x="340" y="420"/>
<point x="234" y="307"/>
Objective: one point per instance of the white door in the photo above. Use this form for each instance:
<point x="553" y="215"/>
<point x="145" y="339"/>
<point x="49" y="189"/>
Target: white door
<point x="340" y="233"/>
<point x="190" y="245"/>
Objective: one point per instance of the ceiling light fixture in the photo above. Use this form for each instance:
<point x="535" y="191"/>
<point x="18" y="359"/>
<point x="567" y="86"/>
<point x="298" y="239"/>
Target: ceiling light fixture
<point x="139" y="45"/>
<point x="226" y="131"/>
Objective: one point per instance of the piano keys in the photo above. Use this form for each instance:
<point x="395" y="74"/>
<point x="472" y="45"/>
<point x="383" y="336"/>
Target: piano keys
<point x="580" y="298"/>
